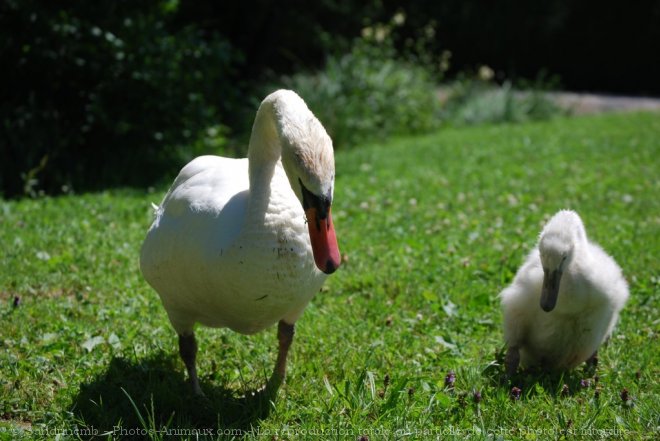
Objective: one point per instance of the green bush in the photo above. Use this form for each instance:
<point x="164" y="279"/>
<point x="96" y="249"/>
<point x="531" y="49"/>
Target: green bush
<point x="103" y="93"/>
<point x="477" y="100"/>
<point x="370" y="93"/>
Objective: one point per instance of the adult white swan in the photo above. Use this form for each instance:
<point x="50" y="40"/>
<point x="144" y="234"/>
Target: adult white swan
<point x="564" y="301"/>
<point x="244" y="243"/>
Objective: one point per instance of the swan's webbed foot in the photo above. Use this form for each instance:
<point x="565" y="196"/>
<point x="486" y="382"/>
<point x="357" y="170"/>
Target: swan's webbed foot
<point x="511" y="361"/>
<point x="188" y="352"/>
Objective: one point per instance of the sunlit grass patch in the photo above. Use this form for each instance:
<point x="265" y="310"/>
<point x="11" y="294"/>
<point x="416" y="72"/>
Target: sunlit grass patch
<point x="432" y="228"/>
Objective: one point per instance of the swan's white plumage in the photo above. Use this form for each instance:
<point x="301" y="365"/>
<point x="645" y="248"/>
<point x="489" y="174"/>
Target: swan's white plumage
<point x="229" y="246"/>
<point x="592" y="292"/>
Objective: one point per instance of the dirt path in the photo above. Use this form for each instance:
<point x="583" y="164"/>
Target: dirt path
<point x="584" y="103"/>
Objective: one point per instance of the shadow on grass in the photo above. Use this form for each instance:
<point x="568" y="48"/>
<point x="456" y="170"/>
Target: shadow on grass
<point x="536" y="380"/>
<point x="161" y="398"/>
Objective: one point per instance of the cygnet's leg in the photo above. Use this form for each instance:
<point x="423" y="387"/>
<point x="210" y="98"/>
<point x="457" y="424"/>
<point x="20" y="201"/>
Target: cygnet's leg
<point x="593" y="360"/>
<point x="188" y="352"/>
<point x="285" y="333"/>
<point x="512" y="360"/>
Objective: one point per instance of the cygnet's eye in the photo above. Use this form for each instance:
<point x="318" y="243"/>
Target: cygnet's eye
<point x="563" y="259"/>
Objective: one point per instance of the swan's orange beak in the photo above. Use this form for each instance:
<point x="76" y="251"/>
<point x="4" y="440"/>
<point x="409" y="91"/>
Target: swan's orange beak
<point x="324" y="241"/>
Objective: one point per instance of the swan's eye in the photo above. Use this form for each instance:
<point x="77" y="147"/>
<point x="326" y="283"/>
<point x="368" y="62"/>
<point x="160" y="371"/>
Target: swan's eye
<point x="308" y="196"/>
<point x="310" y="200"/>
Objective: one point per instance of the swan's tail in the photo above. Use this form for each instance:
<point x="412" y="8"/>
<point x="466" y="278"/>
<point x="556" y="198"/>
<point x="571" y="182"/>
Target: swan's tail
<point x="154" y="206"/>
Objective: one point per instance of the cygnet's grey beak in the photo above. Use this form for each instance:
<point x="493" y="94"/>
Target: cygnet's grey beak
<point x="550" y="289"/>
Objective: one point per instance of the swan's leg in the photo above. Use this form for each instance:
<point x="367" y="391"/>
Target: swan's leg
<point x="512" y="360"/>
<point x="188" y="352"/>
<point x="285" y="332"/>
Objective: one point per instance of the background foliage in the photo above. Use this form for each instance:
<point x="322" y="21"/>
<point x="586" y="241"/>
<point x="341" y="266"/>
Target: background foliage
<point x="371" y="92"/>
<point x="120" y="93"/>
<point x="103" y="93"/>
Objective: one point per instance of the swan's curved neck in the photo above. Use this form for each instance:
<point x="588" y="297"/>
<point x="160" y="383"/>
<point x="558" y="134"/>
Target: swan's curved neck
<point x="264" y="152"/>
<point x="265" y="147"/>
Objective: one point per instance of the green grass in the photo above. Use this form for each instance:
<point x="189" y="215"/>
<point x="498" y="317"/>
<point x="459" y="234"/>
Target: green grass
<point x="432" y="227"/>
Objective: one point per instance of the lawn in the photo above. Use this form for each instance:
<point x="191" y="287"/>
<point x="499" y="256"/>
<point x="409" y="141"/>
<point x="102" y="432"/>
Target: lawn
<point x="432" y="229"/>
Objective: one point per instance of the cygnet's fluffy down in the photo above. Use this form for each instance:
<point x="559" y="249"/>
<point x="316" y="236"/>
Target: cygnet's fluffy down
<point x="564" y="301"/>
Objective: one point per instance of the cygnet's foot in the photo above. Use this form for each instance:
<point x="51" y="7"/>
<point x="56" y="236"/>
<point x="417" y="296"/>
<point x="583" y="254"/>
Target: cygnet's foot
<point x="593" y="360"/>
<point x="511" y="361"/>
